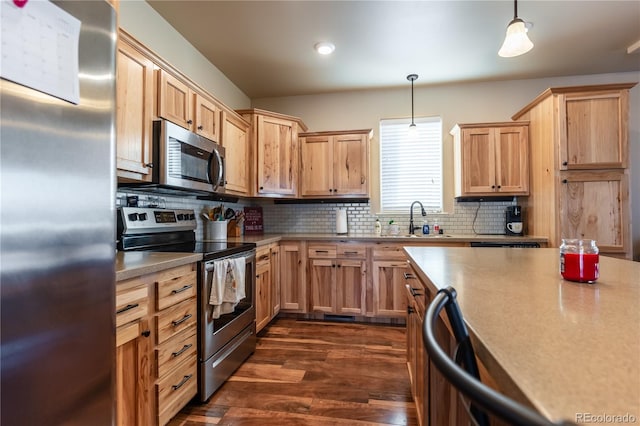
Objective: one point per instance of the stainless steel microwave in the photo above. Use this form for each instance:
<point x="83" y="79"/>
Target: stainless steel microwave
<point x="185" y="160"/>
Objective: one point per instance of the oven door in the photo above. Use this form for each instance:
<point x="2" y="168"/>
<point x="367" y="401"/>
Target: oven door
<point x="214" y="333"/>
<point x="187" y="160"/>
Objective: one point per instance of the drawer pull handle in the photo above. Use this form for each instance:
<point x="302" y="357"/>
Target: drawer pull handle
<point x="414" y="291"/>
<point x="127" y="308"/>
<point x="350" y="252"/>
<point x="180" y="290"/>
<point x="181" y="351"/>
<point x="184" y="380"/>
<point x="264" y="257"/>
<point x="322" y="251"/>
<point x="408" y="276"/>
<point x="181" y="320"/>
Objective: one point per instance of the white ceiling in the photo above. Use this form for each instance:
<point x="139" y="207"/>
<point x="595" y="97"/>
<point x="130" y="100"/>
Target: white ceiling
<point x="266" y="47"/>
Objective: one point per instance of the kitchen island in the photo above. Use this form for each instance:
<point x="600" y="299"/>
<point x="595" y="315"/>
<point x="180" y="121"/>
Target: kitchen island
<point x="570" y="350"/>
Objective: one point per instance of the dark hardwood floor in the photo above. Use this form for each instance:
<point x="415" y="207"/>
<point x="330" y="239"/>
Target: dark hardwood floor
<point x="315" y="373"/>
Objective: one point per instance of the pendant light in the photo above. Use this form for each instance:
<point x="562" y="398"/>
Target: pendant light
<point x="516" y="42"/>
<point x="413" y="129"/>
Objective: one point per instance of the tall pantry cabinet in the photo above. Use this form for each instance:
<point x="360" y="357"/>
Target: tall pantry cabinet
<point x="579" y="153"/>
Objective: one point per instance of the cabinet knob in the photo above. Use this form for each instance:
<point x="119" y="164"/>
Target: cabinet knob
<point x="330" y="190"/>
<point x="565" y="181"/>
<point x="335" y="190"/>
<point x="149" y="165"/>
<point x="200" y="127"/>
<point x="493" y="187"/>
<point x="189" y="121"/>
<point x="261" y="188"/>
<point x="565" y="163"/>
<point x="499" y="186"/>
<point x="146" y="333"/>
<point x="410" y="310"/>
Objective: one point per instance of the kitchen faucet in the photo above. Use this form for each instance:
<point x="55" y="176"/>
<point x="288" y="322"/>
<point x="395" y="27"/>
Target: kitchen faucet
<point x="424" y="213"/>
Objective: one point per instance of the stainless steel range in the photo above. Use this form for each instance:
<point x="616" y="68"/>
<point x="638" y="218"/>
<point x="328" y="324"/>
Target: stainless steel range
<point x="226" y="331"/>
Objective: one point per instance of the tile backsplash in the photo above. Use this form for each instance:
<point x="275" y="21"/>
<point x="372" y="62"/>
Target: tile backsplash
<point x="468" y="217"/>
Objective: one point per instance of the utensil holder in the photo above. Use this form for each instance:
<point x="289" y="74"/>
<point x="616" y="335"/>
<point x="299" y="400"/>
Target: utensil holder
<point x="216" y="230"/>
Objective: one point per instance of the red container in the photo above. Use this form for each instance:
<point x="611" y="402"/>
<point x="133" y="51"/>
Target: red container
<point x="579" y="260"/>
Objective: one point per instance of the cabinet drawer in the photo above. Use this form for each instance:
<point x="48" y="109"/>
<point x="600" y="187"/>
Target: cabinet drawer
<point x="389" y="251"/>
<point x="263" y="256"/>
<point x="131" y="304"/>
<point x="176" y="389"/>
<point x="173" y="320"/>
<point x="352" y="251"/>
<point x="322" y="251"/>
<point x="127" y="333"/>
<point x="176" y="350"/>
<point x="175" y="290"/>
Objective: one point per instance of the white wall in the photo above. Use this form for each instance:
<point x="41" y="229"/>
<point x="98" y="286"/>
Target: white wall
<point x="145" y="24"/>
<point x="458" y="103"/>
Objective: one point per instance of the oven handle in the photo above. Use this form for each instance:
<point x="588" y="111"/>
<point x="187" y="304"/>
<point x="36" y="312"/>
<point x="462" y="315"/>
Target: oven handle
<point x="238" y="342"/>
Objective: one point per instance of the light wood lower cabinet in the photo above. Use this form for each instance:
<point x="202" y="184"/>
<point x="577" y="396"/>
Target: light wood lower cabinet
<point x="337" y="278"/>
<point x="267" y="284"/>
<point x="156" y="345"/>
<point x="293" y="286"/>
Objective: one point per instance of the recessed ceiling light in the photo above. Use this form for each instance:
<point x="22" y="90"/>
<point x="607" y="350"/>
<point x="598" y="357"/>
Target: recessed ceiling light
<point x="324" y="48"/>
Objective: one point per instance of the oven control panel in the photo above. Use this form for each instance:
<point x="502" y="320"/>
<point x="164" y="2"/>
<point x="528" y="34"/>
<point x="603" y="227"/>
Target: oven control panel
<point x="142" y="220"/>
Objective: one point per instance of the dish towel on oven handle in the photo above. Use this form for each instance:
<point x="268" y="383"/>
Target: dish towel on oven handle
<point x="227" y="285"/>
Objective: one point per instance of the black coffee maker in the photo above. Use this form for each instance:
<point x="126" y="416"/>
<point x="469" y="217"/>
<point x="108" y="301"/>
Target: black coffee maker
<point x="514" y="223"/>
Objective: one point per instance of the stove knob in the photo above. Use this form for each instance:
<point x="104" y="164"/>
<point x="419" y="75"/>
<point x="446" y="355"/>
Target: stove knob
<point x="180" y="216"/>
<point x="142" y="216"/>
<point x="192" y="216"/>
<point x="133" y="216"/>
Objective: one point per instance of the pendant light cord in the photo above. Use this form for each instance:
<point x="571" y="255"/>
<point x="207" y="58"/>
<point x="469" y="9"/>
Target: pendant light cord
<point x="412" y="102"/>
<point x="515" y="9"/>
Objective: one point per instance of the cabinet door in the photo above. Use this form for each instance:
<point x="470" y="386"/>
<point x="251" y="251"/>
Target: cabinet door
<point x="316" y="168"/>
<point x="350" y="165"/>
<point x="595" y="205"/>
<point x="322" y="279"/>
<point x="275" y="280"/>
<point x="134" y="379"/>
<point x="351" y="287"/>
<point x="235" y="140"/>
<point x="174" y="100"/>
<point x="207" y="118"/>
<point x="134" y="100"/>
<point x="277" y="159"/>
<point x="512" y="160"/>
<point x="478" y="161"/>
<point x="293" y="294"/>
<point x="263" y="284"/>
<point x="388" y="288"/>
<point x="596" y="130"/>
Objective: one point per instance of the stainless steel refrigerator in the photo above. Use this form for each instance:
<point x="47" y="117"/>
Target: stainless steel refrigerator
<point x="57" y="181"/>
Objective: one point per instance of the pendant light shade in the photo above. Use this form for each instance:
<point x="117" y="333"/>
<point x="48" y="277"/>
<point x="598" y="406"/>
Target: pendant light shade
<point x="413" y="129"/>
<point x="517" y="41"/>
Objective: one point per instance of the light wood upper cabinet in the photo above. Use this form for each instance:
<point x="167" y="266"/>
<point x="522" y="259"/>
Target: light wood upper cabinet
<point x="595" y="129"/>
<point x="579" y="154"/>
<point x="236" y="140"/>
<point x="182" y="105"/>
<point x="274" y="140"/>
<point x="134" y="100"/>
<point x="335" y="164"/>
<point x="491" y="159"/>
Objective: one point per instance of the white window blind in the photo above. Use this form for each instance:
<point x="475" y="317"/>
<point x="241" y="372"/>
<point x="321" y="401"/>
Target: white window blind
<point x="410" y="167"/>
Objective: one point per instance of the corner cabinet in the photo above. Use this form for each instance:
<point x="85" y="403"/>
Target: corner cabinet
<point x="579" y="159"/>
<point x="274" y="140"/>
<point x="135" y="111"/>
<point x="491" y="159"/>
<point x="335" y="164"/>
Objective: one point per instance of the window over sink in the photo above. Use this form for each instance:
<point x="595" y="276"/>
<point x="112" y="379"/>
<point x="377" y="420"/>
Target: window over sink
<point x="410" y="166"/>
